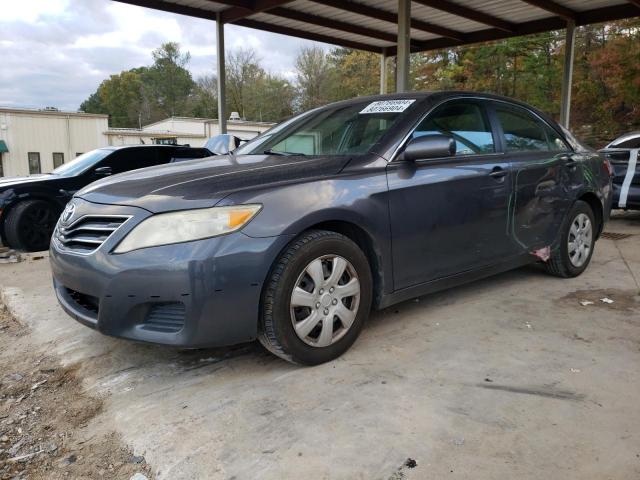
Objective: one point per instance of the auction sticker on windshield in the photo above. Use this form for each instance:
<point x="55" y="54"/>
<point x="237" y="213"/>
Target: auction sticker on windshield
<point x="388" y="106"/>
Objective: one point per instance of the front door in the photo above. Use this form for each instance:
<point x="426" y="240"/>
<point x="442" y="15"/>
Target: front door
<point x="449" y="215"/>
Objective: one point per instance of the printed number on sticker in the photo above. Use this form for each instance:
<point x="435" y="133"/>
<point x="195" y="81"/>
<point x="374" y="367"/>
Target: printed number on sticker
<point x="387" y="106"/>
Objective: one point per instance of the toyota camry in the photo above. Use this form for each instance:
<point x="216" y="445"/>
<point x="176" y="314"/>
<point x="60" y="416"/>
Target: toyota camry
<point x="297" y="235"/>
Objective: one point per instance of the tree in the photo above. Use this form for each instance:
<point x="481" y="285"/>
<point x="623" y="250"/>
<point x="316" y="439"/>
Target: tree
<point x="205" y="97"/>
<point x="168" y="81"/>
<point x="313" y="74"/>
<point x="121" y="97"/>
<point x="354" y="73"/>
<point x="243" y="74"/>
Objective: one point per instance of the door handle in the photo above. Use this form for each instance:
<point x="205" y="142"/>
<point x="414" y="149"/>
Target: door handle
<point x="498" y="172"/>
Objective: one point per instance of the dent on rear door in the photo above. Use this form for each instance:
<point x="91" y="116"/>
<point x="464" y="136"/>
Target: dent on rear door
<point x="539" y="199"/>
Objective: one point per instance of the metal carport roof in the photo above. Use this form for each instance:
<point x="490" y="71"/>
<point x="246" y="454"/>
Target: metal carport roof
<point x="372" y="24"/>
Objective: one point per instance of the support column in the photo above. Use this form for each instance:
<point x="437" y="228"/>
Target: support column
<point x="567" y="74"/>
<point x="383" y="72"/>
<point x="404" y="42"/>
<point x="222" y="114"/>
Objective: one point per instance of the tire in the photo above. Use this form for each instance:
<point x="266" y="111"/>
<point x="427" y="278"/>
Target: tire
<point x="560" y="263"/>
<point x="324" y="341"/>
<point x="29" y="225"/>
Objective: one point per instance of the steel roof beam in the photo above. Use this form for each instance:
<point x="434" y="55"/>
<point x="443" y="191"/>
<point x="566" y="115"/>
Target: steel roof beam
<point x="386" y="16"/>
<point x="294" y="32"/>
<point x="554" y="7"/>
<point x="236" y="13"/>
<point x="468" y="13"/>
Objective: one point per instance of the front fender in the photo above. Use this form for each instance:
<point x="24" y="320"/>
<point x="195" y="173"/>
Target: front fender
<point x="359" y="199"/>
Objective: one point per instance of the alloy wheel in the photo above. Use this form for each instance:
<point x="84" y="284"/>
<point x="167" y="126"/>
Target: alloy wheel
<point x="580" y="240"/>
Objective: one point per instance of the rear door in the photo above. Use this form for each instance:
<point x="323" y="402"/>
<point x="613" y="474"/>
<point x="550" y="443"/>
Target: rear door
<point x="544" y="173"/>
<point x="449" y="215"/>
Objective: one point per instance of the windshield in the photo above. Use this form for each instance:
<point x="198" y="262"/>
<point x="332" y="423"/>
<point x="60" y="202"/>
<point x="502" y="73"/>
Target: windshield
<point x="341" y="130"/>
<point x="81" y="163"/>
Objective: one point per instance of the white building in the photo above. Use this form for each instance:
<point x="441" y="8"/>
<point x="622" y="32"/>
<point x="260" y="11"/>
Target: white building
<point x="37" y="141"/>
<point x="184" y="130"/>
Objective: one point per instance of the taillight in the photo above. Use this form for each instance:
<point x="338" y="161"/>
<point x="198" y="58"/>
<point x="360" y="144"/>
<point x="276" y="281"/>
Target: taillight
<point x="609" y="167"/>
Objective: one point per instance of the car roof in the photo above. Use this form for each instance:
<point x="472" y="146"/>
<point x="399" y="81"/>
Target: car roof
<point x="124" y="147"/>
<point x="624" y="138"/>
<point x="441" y="94"/>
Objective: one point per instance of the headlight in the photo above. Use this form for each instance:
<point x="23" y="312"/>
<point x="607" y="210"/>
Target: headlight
<point x="186" y="226"/>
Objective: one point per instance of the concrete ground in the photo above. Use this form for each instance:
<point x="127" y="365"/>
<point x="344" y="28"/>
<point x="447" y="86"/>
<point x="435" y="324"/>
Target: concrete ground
<point x="510" y="377"/>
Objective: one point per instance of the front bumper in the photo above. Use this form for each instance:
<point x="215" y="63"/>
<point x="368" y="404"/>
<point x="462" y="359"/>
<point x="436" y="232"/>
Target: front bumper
<point x="195" y="294"/>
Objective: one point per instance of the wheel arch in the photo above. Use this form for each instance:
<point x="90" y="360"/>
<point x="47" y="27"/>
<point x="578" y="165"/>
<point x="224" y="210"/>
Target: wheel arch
<point x="366" y="243"/>
<point x="25" y="197"/>
<point x="596" y="206"/>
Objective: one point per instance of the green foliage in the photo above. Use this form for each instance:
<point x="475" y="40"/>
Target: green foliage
<point x="314" y="77"/>
<point x="168" y="81"/>
<point x="120" y="96"/>
<point x="606" y="82"/>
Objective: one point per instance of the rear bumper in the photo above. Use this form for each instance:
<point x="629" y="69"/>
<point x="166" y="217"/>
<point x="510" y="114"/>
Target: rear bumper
<point x="195" y="294"/>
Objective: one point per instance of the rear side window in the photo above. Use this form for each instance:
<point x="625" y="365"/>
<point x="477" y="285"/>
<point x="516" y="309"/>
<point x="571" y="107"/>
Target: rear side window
<point x="556" y="143"/>
<point x="466" y="122"/>
<point x="524" y="132"/>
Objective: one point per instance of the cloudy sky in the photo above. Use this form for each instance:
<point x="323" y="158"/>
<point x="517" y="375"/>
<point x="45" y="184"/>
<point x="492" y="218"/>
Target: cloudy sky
<point x="56" y="52"/>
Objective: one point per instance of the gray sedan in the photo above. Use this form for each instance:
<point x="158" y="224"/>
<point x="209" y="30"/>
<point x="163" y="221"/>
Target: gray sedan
<point x="293" y="238"/>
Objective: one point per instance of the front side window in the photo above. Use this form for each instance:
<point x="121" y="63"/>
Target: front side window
<point x="34" y="163"/>
<point x="466" y="122"/>
<point x="351" y="129"/>
<point x="524" y="132"/>
<point x="58" y="159"/>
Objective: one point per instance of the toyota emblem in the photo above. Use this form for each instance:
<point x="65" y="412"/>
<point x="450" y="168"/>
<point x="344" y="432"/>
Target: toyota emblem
<point x="67" y="214"/>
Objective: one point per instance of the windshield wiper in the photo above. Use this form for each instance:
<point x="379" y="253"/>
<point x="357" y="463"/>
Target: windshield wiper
<point x="283" y="154"/>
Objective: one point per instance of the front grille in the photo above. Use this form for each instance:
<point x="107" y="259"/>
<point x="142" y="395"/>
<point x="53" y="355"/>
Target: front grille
<point x="165" y="318"/>
<point x="85" y="301"/>
<point x="88" y="233"/>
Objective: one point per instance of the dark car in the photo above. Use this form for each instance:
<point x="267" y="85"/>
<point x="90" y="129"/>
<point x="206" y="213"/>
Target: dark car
<point x="30" y="206"/>
<point x="623" y="155"/>
<point x="295" y="237"/>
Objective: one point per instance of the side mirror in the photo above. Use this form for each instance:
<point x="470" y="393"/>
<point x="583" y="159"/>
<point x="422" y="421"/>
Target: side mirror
<point x="103" y="171"/>
<point x="430" y="146"/>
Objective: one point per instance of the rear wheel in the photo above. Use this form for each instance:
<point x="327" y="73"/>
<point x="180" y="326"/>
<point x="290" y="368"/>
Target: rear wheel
<point x="29" y="225"/>
<point x="572" y="256"/>
<point x="316" y="299"/>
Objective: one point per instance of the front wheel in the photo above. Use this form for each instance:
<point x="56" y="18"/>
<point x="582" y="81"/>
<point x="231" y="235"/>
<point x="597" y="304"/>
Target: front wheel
<point x="316" y="299"/>
<point x="29" y="225"/>
<point x="578" y="236"/>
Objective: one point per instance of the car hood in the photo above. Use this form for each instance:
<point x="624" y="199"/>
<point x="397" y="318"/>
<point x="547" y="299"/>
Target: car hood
<point x="15" y="181"/>
<point x="204" y="182"/>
